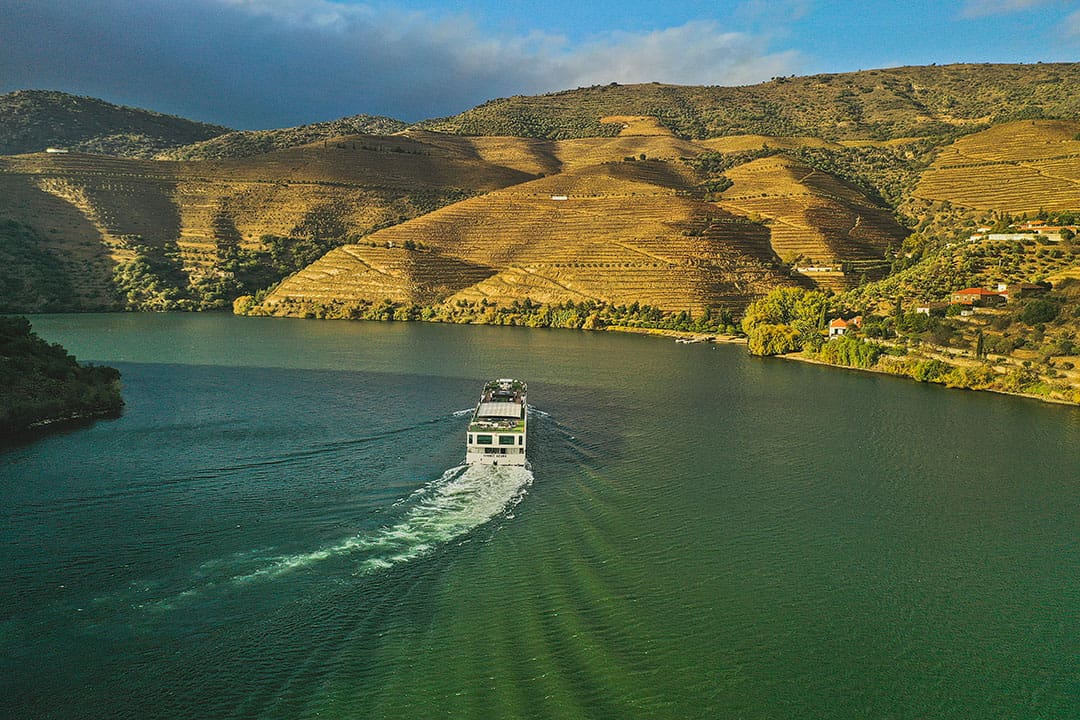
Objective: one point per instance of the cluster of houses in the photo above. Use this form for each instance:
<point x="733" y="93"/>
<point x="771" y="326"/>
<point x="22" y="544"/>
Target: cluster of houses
<point x="967" y="299"/>
<point x="981" y="297"/>
<point x="1046" y="233"/>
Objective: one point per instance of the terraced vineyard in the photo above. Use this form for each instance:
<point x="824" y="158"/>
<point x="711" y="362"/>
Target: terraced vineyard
<point x="815" y="220"/>
<point x="608" y="232"/>
<point x="1019" y="167"/>
<point x="683" y="199"/>
<point x="615" y="228"/>
<point x="93" y="211"/>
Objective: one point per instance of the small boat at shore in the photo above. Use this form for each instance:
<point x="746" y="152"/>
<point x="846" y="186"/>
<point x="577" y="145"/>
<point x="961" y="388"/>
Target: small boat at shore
<point x="498" y="428"/>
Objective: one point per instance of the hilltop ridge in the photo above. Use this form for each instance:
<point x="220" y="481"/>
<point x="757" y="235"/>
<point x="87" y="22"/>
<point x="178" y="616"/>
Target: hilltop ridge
<point x="869" y="104"/>
<point x="247" y="143"/>
<point x="33" y="120"/>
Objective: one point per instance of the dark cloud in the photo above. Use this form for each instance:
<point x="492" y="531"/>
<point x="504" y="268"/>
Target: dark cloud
<point x="284" y="62"/>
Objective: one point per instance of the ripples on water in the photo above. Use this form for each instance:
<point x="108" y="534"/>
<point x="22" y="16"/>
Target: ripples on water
<point x="707" y="536"/>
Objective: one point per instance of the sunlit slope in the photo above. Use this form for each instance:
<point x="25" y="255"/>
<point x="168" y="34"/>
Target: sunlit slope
<point x="743" y="143"/>
<point x="1018" y="167"/>
<point x="814" y="219"/>
<point x="620" y="232"/>
<point x="355" y="273"/>
<point x="639" y="136"/>
<point x="93" y="208"/>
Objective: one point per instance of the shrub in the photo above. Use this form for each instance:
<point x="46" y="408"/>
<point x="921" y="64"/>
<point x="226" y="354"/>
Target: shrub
<point x="1038" y="311"/>
<point x="771" y="339"/>
<point x="849" y="352"/>
<point x="930" y="370"/>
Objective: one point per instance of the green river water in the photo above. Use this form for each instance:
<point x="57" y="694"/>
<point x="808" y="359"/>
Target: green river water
<point x="279" y="526"/>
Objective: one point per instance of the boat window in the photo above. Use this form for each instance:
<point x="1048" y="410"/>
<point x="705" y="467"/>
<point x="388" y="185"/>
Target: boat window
<point x="506" y="439"/>
<point x="483" y="439"/>
<point x="521" y="439"/>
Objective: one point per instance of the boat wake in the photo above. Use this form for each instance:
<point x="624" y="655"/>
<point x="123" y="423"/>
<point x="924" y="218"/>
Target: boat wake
<point x="463" y="498"/>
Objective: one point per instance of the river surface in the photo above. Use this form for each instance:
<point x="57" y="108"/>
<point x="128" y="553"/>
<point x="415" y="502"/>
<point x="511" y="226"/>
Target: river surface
<point x="279" y="526"/>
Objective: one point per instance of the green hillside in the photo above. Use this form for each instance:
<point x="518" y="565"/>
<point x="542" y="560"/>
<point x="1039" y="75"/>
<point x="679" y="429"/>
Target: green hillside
<point x="878" y="104"/>
<point x="246" y="143"/>
<point x="33" y="120"/>
<point x="41" y="383"/>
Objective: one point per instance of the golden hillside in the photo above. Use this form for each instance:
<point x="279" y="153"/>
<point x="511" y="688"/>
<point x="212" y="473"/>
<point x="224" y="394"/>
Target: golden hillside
<point x="609" y="227"/>
<point x="1018" y="167"/>
<point x="637" y="213"/>
<point x="815" y="220"/>
<point x="616" y="232"/>
<point x="92" y="210"/>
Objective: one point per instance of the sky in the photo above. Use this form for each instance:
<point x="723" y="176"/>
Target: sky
<point x="252" y="64"/>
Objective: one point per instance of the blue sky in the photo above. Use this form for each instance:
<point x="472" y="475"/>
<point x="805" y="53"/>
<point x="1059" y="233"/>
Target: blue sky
<point x="274" y="63"/>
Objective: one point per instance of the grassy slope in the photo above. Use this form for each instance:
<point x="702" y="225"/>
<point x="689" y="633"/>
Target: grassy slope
<point x="32" y="120"/>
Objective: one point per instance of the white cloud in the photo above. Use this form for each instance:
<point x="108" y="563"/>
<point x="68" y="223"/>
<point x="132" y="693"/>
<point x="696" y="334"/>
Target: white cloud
<point x="260" y="63"/>
<point x="697" y="53"/>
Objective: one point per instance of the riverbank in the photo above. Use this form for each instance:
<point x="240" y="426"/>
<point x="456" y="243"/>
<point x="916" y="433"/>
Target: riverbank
<point x="43" y="387"/>
<point x="690" y="337"/>
<point x="897" y="372"/>
<point x="884" y="366"/>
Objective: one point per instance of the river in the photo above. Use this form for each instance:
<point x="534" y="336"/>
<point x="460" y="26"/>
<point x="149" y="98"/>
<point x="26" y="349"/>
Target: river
<point x="279" y="526"/>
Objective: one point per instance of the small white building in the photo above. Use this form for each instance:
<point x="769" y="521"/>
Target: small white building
<point x="839" y="326"/>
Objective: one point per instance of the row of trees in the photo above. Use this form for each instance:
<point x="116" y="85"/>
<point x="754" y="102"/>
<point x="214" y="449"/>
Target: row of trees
<point x="584" y="315"/>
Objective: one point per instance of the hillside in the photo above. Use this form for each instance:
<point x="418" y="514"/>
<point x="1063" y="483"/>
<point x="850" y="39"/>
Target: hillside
<point x="33" y="120"/>
<point x="147" y="234"/>
<point x="816" y="221"/>
<point x="247" y="143"/>
<point x="815" y="182"/>
<point x="1019" y="167"/>
<point x="880" y="104"/>
<point x="626" y="220"/>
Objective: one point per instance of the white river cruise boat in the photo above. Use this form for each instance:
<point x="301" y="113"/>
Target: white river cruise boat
<point x="497" y="430"/>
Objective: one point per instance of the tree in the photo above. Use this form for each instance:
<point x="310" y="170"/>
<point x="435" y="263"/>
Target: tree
<point x="1038" y="311"/>
<point x="782" y="314"/>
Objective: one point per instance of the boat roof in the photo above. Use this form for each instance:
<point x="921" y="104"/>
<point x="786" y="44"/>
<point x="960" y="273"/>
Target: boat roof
<point x="499" y="409"/>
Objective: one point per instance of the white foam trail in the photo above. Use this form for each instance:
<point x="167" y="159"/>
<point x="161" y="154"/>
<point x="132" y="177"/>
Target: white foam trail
<point x="464" y="498"/>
